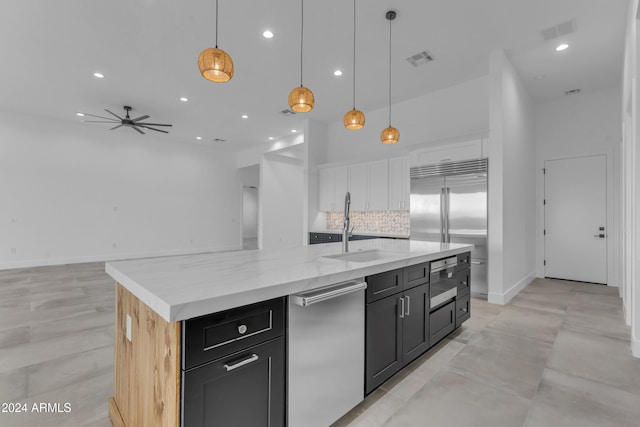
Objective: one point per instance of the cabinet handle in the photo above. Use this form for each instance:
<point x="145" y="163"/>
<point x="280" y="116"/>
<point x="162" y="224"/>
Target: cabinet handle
<point x="408" y="304"/>
<point x="242" y="329"/>
<point x="243" y="362"/>
<point x="402" y="308"/>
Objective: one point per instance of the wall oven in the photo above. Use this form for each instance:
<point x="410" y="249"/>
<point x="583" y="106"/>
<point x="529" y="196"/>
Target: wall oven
<point x="442" y="283"/>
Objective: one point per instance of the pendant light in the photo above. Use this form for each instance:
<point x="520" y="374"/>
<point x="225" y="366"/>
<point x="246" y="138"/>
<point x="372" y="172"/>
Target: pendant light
<point x="354" y="119"/>
<point x="215" y="64"/>
<point x="301" y="98"/>
<point x="390" y="135"/>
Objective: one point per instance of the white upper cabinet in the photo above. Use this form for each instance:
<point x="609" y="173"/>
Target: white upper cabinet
<point x="448" y="153"/>
<point x="332" y="186"/>
<point x="369" y="186"/>
<point x="399" y="184"/>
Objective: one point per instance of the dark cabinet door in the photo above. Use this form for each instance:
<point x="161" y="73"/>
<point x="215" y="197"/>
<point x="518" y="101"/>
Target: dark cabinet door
<point x="463" y="309"/>
<point x="383" y="341"/>
<point x="240" y="390"/>
<point x="442" y="322"/>
<point x="416" y="275"/>
<point x="463" y="279"/>
<point x="415" y="324"/>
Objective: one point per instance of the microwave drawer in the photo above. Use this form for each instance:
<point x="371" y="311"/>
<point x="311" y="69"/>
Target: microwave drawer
<point x="217" y="335"/>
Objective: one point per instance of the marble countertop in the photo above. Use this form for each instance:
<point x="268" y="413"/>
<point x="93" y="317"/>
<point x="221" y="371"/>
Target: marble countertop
<point x="187" y="286"/>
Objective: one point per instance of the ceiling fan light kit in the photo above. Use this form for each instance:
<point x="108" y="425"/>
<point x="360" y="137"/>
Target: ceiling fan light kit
<point x="301" y="99"/>
<point x="215" y="64"/>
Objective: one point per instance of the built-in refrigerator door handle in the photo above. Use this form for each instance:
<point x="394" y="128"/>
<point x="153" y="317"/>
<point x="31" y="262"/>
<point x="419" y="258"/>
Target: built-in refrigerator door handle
<point x="446" y="214"/>
<point x="442" y="215"/>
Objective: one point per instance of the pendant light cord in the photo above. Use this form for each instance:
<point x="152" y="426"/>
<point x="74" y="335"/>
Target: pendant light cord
<point x="301" y="38"/>
<point x="354" y="54"/>
<point x="389" y="72"/>
<point x="216" y="24"/>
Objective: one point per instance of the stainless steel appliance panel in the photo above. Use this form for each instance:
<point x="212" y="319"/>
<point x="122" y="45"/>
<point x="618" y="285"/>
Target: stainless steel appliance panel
<point x="426" y="209"/>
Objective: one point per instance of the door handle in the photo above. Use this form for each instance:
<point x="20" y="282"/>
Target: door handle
<point x="242" y="362"/>
<point x="601" y="236"/>
<point x="401" y="307"/>
<point x="408" y="305"/>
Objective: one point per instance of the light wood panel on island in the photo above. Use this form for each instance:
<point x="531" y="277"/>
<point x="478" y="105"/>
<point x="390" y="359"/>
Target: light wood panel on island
<point x="147" y="368"/>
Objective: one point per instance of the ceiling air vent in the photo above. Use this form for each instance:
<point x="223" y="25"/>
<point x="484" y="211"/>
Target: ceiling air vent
<point x="572" y="91"/>
<point x="420" y="58"/>
<point x="562" y="29"/>
<point x="220" y="140"/>
<point x="288" y="113"/>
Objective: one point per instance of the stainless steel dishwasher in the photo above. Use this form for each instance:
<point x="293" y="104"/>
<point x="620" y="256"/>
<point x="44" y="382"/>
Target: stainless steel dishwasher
<point x="326" y="353"/>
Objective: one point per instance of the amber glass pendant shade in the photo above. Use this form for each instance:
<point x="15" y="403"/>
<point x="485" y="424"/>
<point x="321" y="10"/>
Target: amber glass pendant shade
<point x="301" y="100"/>
<point x="354" y="119"/>
<point x="215" y="65"/>
<point x="390" y="135"/>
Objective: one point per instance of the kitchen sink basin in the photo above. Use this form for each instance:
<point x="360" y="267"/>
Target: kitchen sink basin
<point x="363" y="256"/>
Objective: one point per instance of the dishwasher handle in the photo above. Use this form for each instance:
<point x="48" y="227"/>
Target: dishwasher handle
<point x="308" y="298"/>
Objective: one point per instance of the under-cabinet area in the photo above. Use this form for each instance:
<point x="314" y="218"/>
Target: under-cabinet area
<point x="322" y="334"/>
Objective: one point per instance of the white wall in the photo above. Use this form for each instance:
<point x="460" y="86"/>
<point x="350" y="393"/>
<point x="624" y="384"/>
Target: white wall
<point x="574" y="126"/>
<point x="281" y="202"/>
<point x="511" y="183"/>
<point x="429" y="119"/>
<point x="74" y="192"/>
<point x="630" y="173"/>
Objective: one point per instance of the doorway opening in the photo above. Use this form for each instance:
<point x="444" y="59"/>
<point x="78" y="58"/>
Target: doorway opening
<point x="250" y="177"/>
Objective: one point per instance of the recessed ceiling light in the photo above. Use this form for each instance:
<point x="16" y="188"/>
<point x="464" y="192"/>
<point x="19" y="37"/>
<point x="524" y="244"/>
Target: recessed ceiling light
<point x="98" y="75"/>
<point x="293" y="131"/>
<point x="183" y="99"/>
<point x="267" y="34"/>
<point x="244" y="116"/>
<point x="80" y="114"/>
<point x="562" y="47"/>
<point x="198" y="138"/>
<point x="337" y="73"/>
<point x="271" y="138"/>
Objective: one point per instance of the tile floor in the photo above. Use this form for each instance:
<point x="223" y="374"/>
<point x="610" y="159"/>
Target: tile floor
<point x="557" y="355"/>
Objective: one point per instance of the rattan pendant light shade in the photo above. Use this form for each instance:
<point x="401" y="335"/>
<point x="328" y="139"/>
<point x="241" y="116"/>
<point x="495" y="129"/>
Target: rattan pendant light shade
<point x="301" y="99"/>
<point x="390" y="135"/>
<point x="215" y="64"/>
<point x="354" y="119"/>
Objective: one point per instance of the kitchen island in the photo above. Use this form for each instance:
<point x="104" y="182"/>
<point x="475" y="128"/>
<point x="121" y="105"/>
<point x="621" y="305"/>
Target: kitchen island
<point x="157" y="296"/>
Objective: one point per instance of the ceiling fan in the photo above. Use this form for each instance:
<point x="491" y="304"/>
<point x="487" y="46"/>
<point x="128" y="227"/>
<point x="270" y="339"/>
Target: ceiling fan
<point x="127" y="121"/>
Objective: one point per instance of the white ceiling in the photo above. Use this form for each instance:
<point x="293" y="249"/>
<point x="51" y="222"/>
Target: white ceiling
<point x="148" y="50"/>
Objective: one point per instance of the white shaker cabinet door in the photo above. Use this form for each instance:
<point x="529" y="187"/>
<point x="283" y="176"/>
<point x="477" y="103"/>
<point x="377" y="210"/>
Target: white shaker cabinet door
<point x="326" y="189"/>
<point x="399" y="184"/>
<point x="378" y="186"/>
<point x="358" y="186"/>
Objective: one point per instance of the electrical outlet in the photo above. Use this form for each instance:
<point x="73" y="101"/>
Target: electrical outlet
<point x="14" y="251"/>
<point x="128" y="331"/>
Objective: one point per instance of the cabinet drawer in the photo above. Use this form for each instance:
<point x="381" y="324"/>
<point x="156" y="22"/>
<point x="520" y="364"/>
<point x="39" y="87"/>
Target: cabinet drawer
<point x="463" y="281"/>
<point x="416" y="275"/>
<point x="384" y="284"/>
<point x="463" y="309"/>
<point x="216" y="335"/>
<point x="442" y="322"/>
<point x="464" y="261"/>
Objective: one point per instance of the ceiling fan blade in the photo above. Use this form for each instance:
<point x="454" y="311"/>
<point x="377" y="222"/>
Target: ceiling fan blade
<point x="153" y="124"/>
<point x="157" y="130"/>
<point x="100" y="121"/>
<point x="136" y="129"/>
<point x="100" y="117"/>
<point x="140" y="118"/>
<point x="113" y="114"/>
<point x="120" y="125"/>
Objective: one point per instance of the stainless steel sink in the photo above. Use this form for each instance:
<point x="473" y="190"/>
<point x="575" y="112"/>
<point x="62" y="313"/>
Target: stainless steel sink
<point x="363" y="256"/>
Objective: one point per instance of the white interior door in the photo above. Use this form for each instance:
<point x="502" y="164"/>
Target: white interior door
<point x="576" y="218"/>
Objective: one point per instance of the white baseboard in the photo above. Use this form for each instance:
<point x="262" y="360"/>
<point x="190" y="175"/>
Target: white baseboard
<point x="503" y="299"/>
<point x="5" y="265"/>
<point x="635" y="347"/>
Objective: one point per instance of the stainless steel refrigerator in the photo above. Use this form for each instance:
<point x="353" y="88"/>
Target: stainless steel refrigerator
<point x="449" y="204"/>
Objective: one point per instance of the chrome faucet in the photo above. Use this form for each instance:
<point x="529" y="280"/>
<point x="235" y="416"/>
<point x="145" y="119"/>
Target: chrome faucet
<point x="345" y="227"/>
